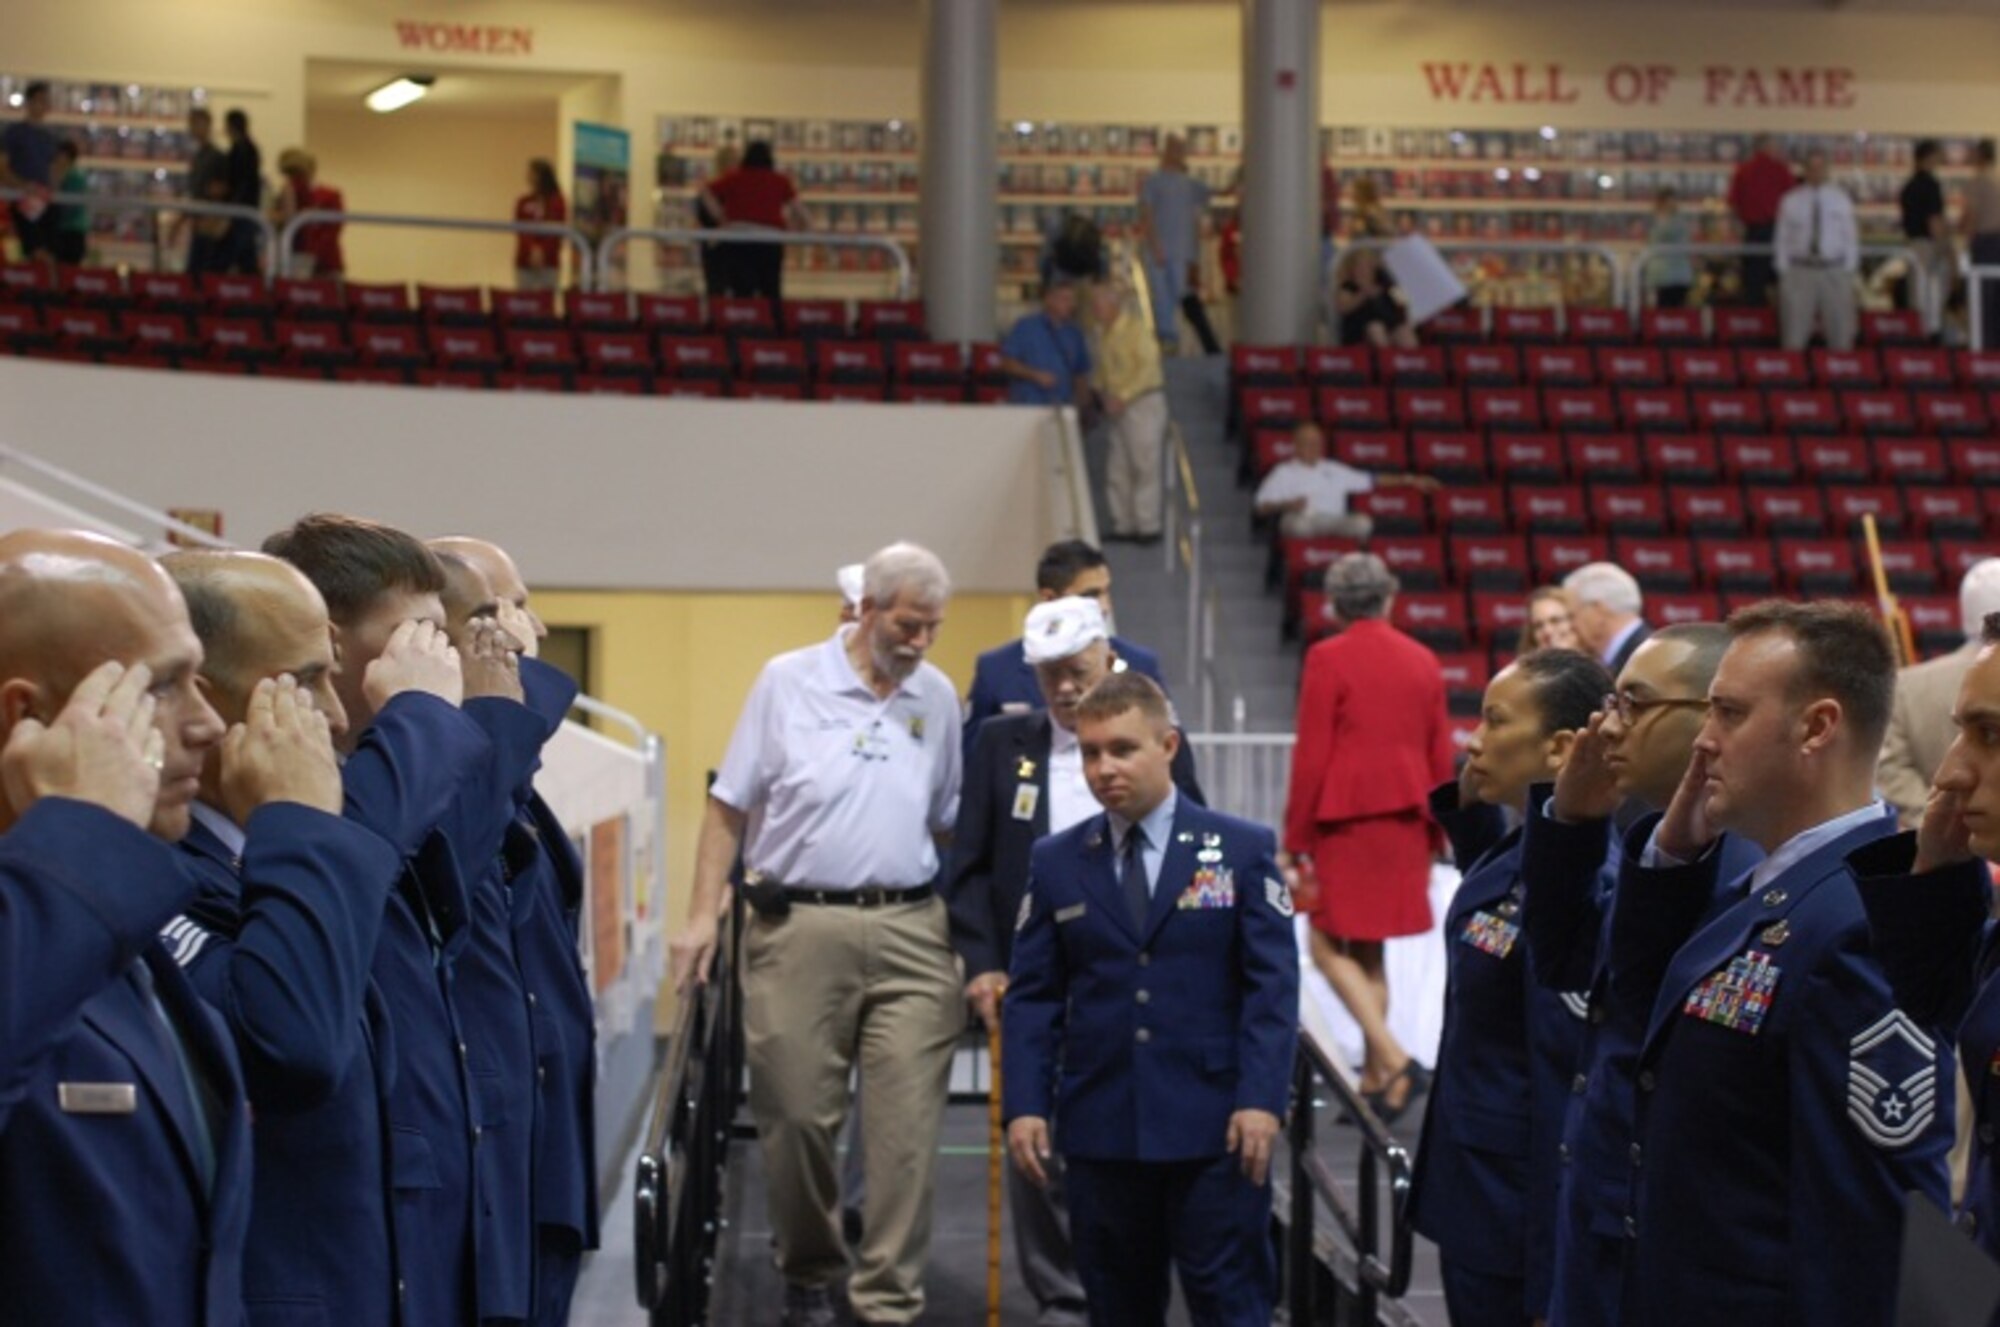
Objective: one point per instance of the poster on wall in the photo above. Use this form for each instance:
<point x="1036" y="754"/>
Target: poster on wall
<point x="606" y="862"/>
<point x="602" y="189"/>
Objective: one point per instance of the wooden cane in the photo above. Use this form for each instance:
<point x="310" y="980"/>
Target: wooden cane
<point x="1893" y="616"/>
<point x="996" y="1161"/>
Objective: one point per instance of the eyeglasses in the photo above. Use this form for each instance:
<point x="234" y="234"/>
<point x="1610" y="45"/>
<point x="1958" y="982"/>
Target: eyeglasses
<point x="1630" y="708"/>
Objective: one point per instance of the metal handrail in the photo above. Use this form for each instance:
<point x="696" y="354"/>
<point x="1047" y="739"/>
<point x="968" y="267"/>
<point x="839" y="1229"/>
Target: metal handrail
<point x="1313" y="1183"/>
<point x="1976" y="275"/>
<point x="1643" y="257"/>
<point x="679" y="1184"/>
<point x="1553" y="248"/>
<point x="191" y="533"/>
<point x="653" y="752"/>
<point x="179" y="206"/>
<point x="315" y="216"/>
<point x="746" y="234"/>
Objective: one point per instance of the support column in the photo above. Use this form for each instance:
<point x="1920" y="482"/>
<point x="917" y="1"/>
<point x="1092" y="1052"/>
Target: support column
<point x="958" y="220"/>
<point x="1280" y="198"/>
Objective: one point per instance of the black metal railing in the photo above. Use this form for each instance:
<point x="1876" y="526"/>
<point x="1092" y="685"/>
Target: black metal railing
<point x="1314" y="1293"/>
<point x="678" y="1194"/>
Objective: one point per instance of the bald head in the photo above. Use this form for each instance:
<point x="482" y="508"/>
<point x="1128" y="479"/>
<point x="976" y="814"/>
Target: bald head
<point x="467" y="593"/>
<point x="503" y="578"/>
<point x="70" y="601"/>
<point x="258" y="617"/>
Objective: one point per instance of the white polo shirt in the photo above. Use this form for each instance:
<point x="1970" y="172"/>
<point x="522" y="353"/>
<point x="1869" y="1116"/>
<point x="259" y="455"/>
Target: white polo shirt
<point x="1070" y="800"/>
<point x="843" y="788"/>
<point x="1326" y="486"/>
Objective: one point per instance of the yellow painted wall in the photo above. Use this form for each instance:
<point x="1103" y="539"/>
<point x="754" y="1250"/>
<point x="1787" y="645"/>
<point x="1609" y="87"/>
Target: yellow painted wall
<point x="682" y="664"/>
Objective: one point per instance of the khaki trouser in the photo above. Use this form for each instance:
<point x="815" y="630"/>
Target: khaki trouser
<point x="1931" y="277"/>
<point x="1132" y="469"/>
<point x="1824" y="291"/>
<point x="822" y="988"/>
<point x="1320" y="525"/>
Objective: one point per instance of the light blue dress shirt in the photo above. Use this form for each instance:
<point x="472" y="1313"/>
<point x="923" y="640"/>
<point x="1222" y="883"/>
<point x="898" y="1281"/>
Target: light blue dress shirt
<point x="1159" y="827"/>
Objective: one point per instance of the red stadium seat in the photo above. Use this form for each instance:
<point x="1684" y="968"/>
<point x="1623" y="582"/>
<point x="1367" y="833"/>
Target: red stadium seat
<point x="1708" y="510"/>
<point x="1519" y="325"/>
<point x="1274" y="407"/>
<point x="1676" y="608"/>
<point x="1846" y="368"/>
<point x="1628" y="509"/>
<point x="1654" y="409"/>
<point x="1702" y="367"/>
<point x="1939" y="512"/>
<point x="162" y="292"/>
<point x="762" y="361"/>
<point x="1978" y="368"/>
<point x="1455" y="327"/>
<point x="1497" y="619"/>
<point x="1911" y="461"/>
<point x="1600" y="326"/>
<point x="703" y="357"/>
<point x="464" y="348"/>
<point x="984" y="368"/>
<point x="599" y="310"/>
<point x="1305" y="562"/>
<point x="1818" y="566"/>
<point x="1337" y="407"/>
<point x="1430" y="407"/>
<point x="524" y="310"/>
<point x="850" y="361"/>
<point x="1372" y="451"/>
<point x="1466" y="674"/>
<point x="1934" y="619"/>
<point x="1804" y="412"/>
<point x="812" y="319"/>
<point x="1974" y="460"/>
<point x="1604" y="457"/>
<point x="389" y="346"/>
<point x="1339" y="366"/>
<point x="1846" y="504"/>
<point x="1471" y="510"/>
<point x="617" y="354"/>
<point x="1531" y="457"/>
<point x="1498" y="562"/>
<point x="1760" y="458"/>
<point x="1876" y="412"/>
<point x="83" y="327"/>
<point x="315" y="344"/>
<point x="304" y="300"/>
<point x="1505" y="407"/>
<point x="1557" y="555"/>
<point x="929" y="362"/>
<point x="1632" y="366"/>
<point x="1417" y="560"/>
<point x="1674" y="327"/>
<point x="541" y="351"/>
<point x="233" y="296"/>
<point x="1263" y="366"/>
<point x="1952" y="412"/>
<point x="26" y="283"/>
<point x="1958" y="556"/>
<point x="1397" y="510"/>
<point x="742" y="315"/>
<point x="1737" y="564"/>
<point x="1269" y="448"/>
<point x="1549" y="508"/>
<point x="1657" y="562"/>
<point x="458" y="305"/>
<point x="1689" y="458"/>
<point x="1486" y="366"/>
<point x="1910" y="566"/>
<point x="154" y="333"/>
<point x="378" y="303"/>
<point x="1725" y="411"/>
<point x="1560" y="366"/>
<point x="1835" y="460"/>
<point x="1746" y="327"/>
<point x="1421" y="366"/>
<point x="1437" y="618"/>
<point x="1773" y="369"/>
<point x="678" y="315"/>
<point x="891" y="320"/>
<point x="1786" y="511"/>
<point x="1912" y="366"/>
<point x="1886" y="327"/>
<point x="236" y="340"/>
<point x="1587" y="408"/>
<point x="1450" y="458"/>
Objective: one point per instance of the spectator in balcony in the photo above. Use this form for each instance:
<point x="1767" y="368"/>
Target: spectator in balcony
<point x="716" y="273"/>
<point x="244" y="170"/>
<point x="1373" y="740"/>
<point x="1920" y="727"/>
<point x="1365" y="299"/>
<point x="315" y="248"/>
<point x="1046" y="355"/>
<point x="1133" y="397"/>
<point x="1817" y="255"/>
<point x="1172" y="204"/>
<point x="1980" y="223"/>
<point x="1370" y="218"/>
<point x="1072" y="247"/>
<point x="538" y="258"/>
<point x="1550" y="625"/>
<point x="29" y="152"/>
<point x="207" y="182"/>
<point x="1488" y="1165"/>
<point x="1755" y="190"/>
<point x="755" y="195"/>
<point x="1670" y="277"/>
<point x="69" y="223"/>
<point x="1928" y="234"/>
<point x="1605" y="603"/>
<point x="1311" y="495"/>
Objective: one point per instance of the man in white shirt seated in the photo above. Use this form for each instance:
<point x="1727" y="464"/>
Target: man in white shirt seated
<point x="1309" y="494"/>
<point x="1818" y="253"/>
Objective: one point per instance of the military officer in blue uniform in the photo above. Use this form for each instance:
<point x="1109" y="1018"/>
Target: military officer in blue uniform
<point x="1785" y="1104"/>
<point x="282" y="939"/>
<point x="124" y="1137"/>
<point x="1625" y="765"/>
<point x="545" y="882"/>
<point x="1149" y="1027"/>
<point x="1003" y="681"/>
<point x="1485" y="1184"/>
<point x="1025" y="780"/>
<point x="1929" y="896"/>
<point x="460" y="1245"/>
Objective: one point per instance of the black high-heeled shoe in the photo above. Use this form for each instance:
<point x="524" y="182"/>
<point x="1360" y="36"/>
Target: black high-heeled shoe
<point x="1412" y="1073"/>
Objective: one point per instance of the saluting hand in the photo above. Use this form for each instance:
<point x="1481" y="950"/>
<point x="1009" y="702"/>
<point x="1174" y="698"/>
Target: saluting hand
<point x="1942" y="835"/>
<point x="1586" y="788"/>
<point x="491" y="662"/>
<point x="1251" y="1136"/>
<point x="517" y="622"/>
<point x="418" y="657"/>
<point x="1028" y="1144"/>
<point x="1684" y="830"/>
<point x="102" y="748"/>
<point x="281" y="752"/>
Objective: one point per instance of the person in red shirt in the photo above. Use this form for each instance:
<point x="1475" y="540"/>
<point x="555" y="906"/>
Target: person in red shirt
<point x="1754" y="191"/>
<point x="538" y="258"/>
<point x="315" y="249"/>
<point x="755" y="195"/>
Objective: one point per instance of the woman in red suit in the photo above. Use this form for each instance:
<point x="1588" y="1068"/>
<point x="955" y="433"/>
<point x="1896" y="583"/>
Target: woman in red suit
<point x="1373" y="740"/>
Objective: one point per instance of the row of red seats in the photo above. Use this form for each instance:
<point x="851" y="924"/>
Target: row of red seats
<point x="1801" y="410"/>
<point x="1666" y="327"/>
<point x="1455" y="622"/>
<point x="1463" y="457"/>
<point x="96" y="331"/>
<point x="336" y="300"/>
<point x="1615" y="366"/>
<point x="628" y="384"/>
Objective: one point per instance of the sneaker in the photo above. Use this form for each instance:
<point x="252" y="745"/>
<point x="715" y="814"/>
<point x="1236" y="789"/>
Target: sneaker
<point x="809" y="1306"/>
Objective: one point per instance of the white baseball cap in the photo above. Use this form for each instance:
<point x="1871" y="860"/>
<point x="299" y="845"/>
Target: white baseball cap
<point x="1062" y="629"/>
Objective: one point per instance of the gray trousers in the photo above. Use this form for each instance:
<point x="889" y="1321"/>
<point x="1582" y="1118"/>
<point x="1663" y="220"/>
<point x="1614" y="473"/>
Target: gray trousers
<point x="1041" y="1239"/>
<point x="1827" y="292"/>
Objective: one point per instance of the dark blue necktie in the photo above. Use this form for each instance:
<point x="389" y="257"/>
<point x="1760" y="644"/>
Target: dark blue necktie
<point x="1132" y="877"/>
<point x="176" y="1047"/>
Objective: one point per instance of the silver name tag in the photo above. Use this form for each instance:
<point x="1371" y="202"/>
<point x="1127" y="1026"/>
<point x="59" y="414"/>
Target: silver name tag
<point x="1069" y="914"/>
<point x="97" y="1098"/>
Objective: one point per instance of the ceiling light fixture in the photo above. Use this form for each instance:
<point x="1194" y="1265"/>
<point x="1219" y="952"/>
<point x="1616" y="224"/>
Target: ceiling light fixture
<point x="399" y="92"/>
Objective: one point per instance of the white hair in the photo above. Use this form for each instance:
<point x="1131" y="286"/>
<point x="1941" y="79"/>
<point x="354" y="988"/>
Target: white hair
<point x="1605" y="583"/>
<point x="1978" y="595"/>
<point x="901" y="568"/>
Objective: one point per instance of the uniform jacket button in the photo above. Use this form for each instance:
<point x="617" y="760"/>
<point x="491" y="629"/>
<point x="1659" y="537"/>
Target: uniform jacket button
<point x="1145" y="1035"/>
<point x="1562" y="1152"/>
<point x="1646" y="1080"/>
<point x="1145" y="960"/>
<point x="1143" y="997"/>
<point x="1631" y="1227"/>
<point x="1638" y="1153"/>
<point x="1580" y="1084"/>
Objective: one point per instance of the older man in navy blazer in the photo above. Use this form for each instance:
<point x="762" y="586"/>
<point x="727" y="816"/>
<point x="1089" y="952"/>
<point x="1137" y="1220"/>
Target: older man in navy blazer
<point x="1003" y="681"/>
<point x="1025" y="780"/>
<point x="1150" y="1024"/>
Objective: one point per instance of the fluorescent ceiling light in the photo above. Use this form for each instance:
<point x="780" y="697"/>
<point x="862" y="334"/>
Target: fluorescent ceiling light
<point x="398" y="93"/>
